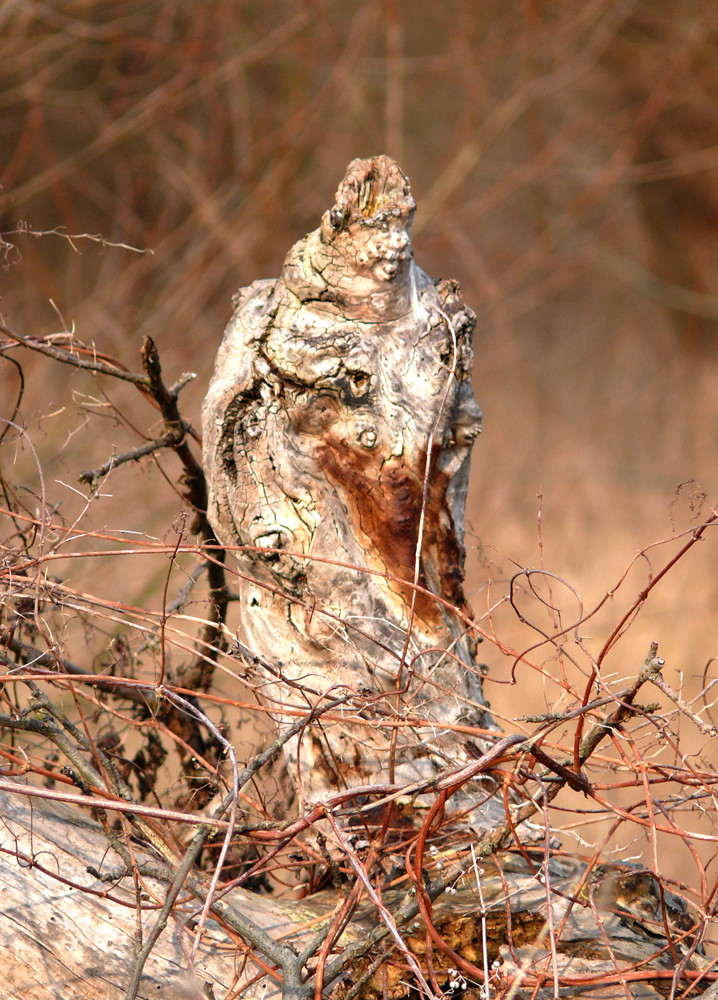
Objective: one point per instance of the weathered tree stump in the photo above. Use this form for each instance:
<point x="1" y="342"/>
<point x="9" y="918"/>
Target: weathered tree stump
<point x="337" y="434"/>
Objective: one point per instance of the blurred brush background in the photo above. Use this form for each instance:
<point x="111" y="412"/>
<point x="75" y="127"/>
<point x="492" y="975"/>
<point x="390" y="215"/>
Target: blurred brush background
<point x="564" y="157"/>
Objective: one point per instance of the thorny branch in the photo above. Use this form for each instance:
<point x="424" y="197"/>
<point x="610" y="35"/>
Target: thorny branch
<point x="198" y="674"/>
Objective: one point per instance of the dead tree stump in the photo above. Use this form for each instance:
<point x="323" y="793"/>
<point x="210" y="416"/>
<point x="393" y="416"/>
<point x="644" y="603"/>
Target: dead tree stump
<point x="337" y="434"/>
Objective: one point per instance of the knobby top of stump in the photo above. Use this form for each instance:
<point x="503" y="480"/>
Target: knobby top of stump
<point x="358" y="261"/>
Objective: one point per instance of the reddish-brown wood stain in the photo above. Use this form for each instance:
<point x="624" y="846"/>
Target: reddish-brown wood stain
<point x="385" y="497"/>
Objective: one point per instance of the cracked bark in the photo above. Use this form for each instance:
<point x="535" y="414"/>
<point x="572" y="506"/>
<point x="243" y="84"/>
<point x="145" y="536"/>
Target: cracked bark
<point x="339" y="409"/>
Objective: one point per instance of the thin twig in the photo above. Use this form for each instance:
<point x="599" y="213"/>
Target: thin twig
<point x="173" y="892"/>
<point x="66" y="358"/>
<point x="655" y="677"/>
<point x="168" y="440"/>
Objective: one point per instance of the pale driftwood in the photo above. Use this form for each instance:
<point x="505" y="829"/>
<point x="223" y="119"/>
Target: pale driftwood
<point x="58" y="942"/>
<point x="65" y="935"/>
<point x="337" y="434"/>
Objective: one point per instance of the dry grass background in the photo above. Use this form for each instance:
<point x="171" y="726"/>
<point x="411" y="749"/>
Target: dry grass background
<point x="564" y="159"/>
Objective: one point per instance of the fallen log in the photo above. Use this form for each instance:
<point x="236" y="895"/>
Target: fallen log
<point x="67" y="935"/>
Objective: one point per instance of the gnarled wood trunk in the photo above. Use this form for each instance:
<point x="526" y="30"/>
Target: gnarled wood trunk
<point x="337" y="433"/>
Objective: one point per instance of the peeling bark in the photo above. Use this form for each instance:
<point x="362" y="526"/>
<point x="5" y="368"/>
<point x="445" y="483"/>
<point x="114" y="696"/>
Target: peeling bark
<point x="339" y="412"/>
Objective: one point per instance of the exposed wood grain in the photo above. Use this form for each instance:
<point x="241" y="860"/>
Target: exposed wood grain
<point x="59" y="941"/>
